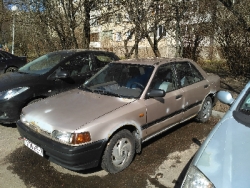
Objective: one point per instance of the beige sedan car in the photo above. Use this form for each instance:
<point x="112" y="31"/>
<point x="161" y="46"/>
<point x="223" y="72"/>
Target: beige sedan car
<point x="106" y="120"/>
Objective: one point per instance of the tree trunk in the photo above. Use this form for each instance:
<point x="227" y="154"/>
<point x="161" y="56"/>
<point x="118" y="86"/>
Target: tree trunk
<point x="86" y="24"/>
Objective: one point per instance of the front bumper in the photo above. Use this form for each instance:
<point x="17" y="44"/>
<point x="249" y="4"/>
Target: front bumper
<point x="70" y="157"/>
<point x="10" y="110"/>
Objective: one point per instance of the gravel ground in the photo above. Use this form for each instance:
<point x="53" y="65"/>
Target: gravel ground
<point x="8" y="142"/>
<point x="172" y="151"/>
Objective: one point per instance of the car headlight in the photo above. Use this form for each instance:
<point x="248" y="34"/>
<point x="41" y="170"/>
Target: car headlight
<point x="195" y="179"/>
<point x="12" y="92"/>
<point x="71" y="138"/>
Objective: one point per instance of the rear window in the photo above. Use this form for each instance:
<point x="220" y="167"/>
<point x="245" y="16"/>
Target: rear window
<point x="104" y="58"/>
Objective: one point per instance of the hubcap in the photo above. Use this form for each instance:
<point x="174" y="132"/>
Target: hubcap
<point x="12" y="69"/>
<point x="207" y="109"/>
<point x="121" y="152"/>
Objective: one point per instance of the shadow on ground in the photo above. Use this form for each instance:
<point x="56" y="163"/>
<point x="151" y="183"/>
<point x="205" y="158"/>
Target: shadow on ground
<point x="37" y="172"/>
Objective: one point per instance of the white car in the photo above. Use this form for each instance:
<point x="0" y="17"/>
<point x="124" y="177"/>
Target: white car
<point x="223" y="159"/>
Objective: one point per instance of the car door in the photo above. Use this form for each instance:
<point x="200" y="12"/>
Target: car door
<point x="78" y="68"/>
<point x="194" y="86"/>
<point x="166" y="111"/>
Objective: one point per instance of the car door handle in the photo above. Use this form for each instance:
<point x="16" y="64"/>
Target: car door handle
<point x="206" y="86"/>
<point x="178" y="96"/>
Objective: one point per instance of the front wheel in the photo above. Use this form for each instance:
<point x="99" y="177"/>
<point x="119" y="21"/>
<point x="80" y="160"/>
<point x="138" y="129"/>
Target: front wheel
<point x="119" y="152"/>
<point x="11" y="69"/>
<point x="206" y="110"/>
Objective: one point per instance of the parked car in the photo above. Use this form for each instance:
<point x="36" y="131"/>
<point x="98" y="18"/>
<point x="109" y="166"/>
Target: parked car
<point x="47" y="75"/>
<point x="106" y="120"/>
<point x="223" y="158"/>
<point x="10" y="62"/>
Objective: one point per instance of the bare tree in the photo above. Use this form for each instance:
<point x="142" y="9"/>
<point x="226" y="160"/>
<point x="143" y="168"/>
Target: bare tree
<point x="5" y="22"/>
<point x="233" y="36"/>
<point x="232" y="6"/>
<point x="2" y="10"/>
<point x="62" y="19"/>
<point x="88" y="5"/>
<point x="143" y="19"/>
<point x="199" y="29"/>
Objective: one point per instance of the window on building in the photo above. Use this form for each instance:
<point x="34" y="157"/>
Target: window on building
<point x="161" y="31"/>
<point x="118" y="36"/>
<point x="129" y="35"/>
<point x="108" y="2"/>
<point x="117" y="2"/>
<point x="94" y="22"/>
<point x="119" y="17"/>
<point x="107" y="35"/>
<point x="110" y="19"/>
<point x="127" y="17"/>
<point x="94" y="37"/>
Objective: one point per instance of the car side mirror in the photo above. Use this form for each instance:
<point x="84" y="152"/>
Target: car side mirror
<point x="156" y="93"/>
<point x="225" y="97"/>
<point x="62" y="74"/>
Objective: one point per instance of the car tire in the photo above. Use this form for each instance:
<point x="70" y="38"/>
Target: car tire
<point x="206" y="110"/>
<point x="119" y="152"/>
<point x="11" y="69"/>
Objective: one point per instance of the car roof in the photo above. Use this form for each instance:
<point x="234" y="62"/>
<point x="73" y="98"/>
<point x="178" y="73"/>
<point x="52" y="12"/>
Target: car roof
<point x="79" y="50"/>
<point x="153" y="61"/>
<point x="75" y="51"/>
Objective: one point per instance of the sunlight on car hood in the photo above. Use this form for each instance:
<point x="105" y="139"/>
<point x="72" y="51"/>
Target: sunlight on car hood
<point x="71" y="110"/>
<point x="225" y="160"/>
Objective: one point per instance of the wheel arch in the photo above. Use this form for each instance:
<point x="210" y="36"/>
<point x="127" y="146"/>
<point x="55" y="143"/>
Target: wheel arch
<point x="35" y="99"/>
<point x="199" y="116"/>
<point x="213" y="97"/>
<point x="9" y="66"/>
<point x="136" y="132"/>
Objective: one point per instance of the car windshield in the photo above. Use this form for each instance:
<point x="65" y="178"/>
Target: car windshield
<point x="121" y="80"/>
<point x="43" y="64"/>
<point x="245" y="104"/>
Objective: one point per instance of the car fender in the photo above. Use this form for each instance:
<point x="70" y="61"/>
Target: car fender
<point x="107" y="125"/>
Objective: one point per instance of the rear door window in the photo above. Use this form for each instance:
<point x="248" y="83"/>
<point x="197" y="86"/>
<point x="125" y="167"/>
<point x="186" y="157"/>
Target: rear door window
<point x="187" y="74"/>
<point x="78" y="65"/>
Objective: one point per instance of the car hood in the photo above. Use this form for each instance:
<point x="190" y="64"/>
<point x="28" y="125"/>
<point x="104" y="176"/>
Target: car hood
<point x="71" y="110"/>
<point x="225" y="158"/>
<point x="14" y="79"/>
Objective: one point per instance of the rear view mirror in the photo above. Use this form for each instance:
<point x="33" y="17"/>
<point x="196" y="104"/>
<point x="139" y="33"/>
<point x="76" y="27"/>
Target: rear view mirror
<point x="156" y="93"/>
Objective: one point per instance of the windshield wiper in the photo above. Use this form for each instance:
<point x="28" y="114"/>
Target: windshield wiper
<point x="85" y="88"/>
<point x="112" y="94"/>
<point x="105" y="92"/>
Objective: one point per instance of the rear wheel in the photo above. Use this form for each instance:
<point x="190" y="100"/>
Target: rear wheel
<point x="119" y="152"/>
<point x="11" y="69"/>
<point x="206" y="110"/>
